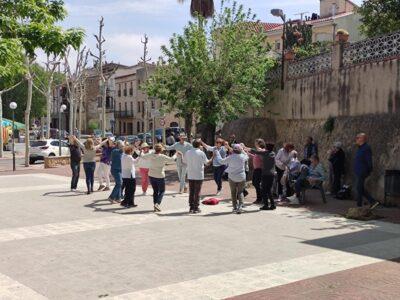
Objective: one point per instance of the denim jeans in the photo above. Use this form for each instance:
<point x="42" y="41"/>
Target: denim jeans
<point x="362" y="192"/>
<point x="218" y="172"/>
<point x="158" y="185"/>
<point x="89" y="168"/>
<point x="116" y="192"/>
<point x="76" y="168"/>
<point x="257" y="175"/>
<point x="182" y="170"/>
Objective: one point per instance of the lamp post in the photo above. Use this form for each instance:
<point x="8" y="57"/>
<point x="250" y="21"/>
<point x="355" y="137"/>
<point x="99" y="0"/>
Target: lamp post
<point x="60" y="111"/>
<point x="13" y="107"/>
<point x="279" y="13"/>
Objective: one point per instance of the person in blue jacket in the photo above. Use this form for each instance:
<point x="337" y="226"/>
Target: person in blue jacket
<point x="363" y="169"/>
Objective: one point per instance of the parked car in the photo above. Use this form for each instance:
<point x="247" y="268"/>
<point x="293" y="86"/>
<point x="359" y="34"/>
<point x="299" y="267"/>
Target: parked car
<point x="128" y="138"/>
<point x="99" y="133"/>
<point x="47" y="148"/>
<point x="145" y="137"/>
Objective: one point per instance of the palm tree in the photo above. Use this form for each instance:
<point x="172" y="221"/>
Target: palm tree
<point x="203" y="8"/>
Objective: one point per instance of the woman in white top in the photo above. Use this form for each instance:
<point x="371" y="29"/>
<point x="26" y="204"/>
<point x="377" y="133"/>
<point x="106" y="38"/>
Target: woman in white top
<point x="236" y="173"/>
<point x="157" y="174"/>
<point x="128" y="177"/>
<point x="89" y="160"/>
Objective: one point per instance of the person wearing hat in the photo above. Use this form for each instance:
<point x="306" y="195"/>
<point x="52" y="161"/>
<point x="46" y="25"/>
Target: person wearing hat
<point x="182" y="146"/>
<point x="116" y="172"/>
<point x="337" y="159"/>
<point x="236" y="170"/>
<point x="157" y="162"/>
<point x="144" y="166"/>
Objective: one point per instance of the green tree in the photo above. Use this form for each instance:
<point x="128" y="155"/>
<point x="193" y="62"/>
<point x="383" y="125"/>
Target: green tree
<point x="178" y="80"/>
<point x="379" y="17"/>
<point x="33" y="24"/>
<point x="215" y="70"/>
<point x="11" y="66"/>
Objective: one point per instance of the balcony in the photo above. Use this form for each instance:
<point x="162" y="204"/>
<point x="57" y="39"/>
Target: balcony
<point x="124" y="114"/>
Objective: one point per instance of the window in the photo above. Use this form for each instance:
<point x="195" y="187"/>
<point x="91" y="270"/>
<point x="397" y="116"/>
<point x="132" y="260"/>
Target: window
<point x="131" y="90"/>
<point x="131" y="106"/>
<point x="119" y="90"/>
<point x="138" y="127"/>
<point x="126" y="106"/>
<point x="120" y="127"/>
<point x="119" y="104"/>
<point x="143" y="106"/>
<point x="55" y="143"/>
<point x="124" y="127"/>
<point x="138" y="107"/>
<point x="153" y="104"/>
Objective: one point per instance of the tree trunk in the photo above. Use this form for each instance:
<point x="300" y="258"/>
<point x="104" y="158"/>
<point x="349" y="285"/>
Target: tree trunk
<point x="80" y="116"/>
<point x="27" y="114"/>
<point x="1" y="126"/>
<point x="71" y="115"/>
<point x="208" y="133"/>
<point x="188" y="123"/>
<point x="75" y="121"/>
<point x="49" y="99"/>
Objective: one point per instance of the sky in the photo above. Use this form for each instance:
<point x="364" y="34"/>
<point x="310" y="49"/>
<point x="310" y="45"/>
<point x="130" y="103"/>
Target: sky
<point x="126" y="21"/>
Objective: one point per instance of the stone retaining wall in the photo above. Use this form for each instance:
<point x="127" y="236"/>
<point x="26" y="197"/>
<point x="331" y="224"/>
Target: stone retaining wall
<point x="383" y="130"/>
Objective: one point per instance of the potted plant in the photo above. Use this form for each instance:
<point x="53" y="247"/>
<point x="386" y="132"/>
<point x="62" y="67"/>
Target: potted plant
<point x="342" y="35"/>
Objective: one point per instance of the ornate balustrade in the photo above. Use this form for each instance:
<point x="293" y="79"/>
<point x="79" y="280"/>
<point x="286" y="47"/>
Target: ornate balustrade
<point x="310" y="66"/>
<point x="372" y="50"/>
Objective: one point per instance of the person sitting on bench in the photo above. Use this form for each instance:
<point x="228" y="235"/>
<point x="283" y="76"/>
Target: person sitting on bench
<point x="310" y="177"/>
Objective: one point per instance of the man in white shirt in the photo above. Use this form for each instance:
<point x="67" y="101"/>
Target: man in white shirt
<point x="195" y="159"/>
<point x="282" y="160"/>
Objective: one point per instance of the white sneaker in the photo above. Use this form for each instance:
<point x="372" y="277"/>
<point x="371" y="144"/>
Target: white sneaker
<point x="293" y="199"/>
<point x="218" y="193"/>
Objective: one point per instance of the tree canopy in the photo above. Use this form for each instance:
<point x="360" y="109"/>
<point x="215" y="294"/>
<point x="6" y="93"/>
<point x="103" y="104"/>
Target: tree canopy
<point x="379" y="17"/>
<point x="216" y="69"/>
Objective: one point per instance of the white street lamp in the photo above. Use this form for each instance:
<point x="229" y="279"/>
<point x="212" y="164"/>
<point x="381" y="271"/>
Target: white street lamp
<point x="277" y="12"/>
<point x="63" y="108"/>
<point x="13" y="107"/>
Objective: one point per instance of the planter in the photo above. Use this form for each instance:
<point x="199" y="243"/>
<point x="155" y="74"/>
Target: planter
<point x="289" y="55"/>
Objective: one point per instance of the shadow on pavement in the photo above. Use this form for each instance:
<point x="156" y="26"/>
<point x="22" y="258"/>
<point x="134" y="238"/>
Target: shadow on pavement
<point x="64" y="194"/>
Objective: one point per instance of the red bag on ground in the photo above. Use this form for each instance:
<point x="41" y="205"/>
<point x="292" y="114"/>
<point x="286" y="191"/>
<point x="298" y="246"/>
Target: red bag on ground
<point x="211" y="201"/>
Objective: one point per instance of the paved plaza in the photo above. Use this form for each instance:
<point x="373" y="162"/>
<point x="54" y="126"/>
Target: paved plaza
<point x="56" y="244"/>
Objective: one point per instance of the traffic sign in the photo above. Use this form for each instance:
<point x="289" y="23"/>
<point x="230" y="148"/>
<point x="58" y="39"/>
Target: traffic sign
<point x="155" y="113"/>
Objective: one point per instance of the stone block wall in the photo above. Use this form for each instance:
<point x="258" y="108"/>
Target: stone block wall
<point x="383" y="131"/>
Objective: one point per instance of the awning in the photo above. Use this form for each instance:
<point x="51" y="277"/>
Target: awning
<point x="17" y="125"/>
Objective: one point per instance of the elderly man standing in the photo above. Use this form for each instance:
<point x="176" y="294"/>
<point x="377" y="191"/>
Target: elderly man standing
<point x="182" y="146"/>
<point x="363" y="169"/>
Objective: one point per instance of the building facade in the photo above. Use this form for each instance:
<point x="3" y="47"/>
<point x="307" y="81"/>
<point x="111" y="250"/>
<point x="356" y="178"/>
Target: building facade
<point x="333" y="15"/>
<point x="131" y="115"/>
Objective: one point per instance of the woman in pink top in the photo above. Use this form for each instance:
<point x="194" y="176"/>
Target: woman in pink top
<point x="257" y="169"/>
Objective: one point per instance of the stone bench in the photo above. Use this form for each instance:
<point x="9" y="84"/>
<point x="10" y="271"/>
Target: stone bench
<point x="56" y="161"/>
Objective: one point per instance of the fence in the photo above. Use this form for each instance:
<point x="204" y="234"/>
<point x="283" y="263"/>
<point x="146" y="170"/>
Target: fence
<point x="370" y="50"/>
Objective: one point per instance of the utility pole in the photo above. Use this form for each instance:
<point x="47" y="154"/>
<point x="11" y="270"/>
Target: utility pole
<point x="100" y="57"/>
